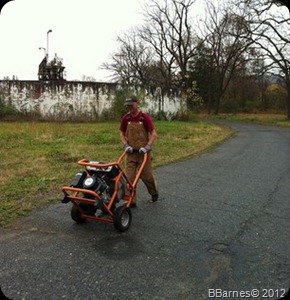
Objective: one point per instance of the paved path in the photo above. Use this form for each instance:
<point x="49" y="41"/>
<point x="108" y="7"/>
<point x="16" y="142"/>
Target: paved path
<point x="222" y="225"/>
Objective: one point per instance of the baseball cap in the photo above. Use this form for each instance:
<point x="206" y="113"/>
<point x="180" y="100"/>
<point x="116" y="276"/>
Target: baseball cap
<point x="130" y="100"/>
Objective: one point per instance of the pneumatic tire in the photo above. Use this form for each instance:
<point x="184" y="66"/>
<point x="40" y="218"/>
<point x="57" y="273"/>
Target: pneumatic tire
<point x="76" y="215"/>
<point x="122" y="218"/>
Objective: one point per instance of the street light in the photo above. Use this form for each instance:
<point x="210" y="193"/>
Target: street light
<point x="43" y="49"/>
<point x="47" y="43"/>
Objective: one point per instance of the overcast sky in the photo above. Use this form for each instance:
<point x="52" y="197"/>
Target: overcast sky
<point x="83" y="34"/>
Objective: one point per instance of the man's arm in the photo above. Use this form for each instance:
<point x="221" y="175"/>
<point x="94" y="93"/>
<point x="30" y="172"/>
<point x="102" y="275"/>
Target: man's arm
<point x="123" y="138"/>
<point x="152" y="137"/>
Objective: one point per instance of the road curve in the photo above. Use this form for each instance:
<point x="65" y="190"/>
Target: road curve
<point x="221" y="228"/>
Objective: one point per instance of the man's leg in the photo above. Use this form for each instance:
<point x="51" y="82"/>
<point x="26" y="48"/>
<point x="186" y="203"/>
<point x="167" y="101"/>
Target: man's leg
<point x="147" y="177"/>
<point x="130" y="171"/>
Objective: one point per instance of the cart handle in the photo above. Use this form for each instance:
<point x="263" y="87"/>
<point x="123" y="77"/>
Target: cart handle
<point x="85" y="162"/>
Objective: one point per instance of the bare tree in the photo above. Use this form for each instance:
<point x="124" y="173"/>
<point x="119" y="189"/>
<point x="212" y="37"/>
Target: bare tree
<point x="225" y="35"/>
<point x="162" y="61"/>
<point x="131" y="63"/>
<point x="269" y="26"/>
<point x="170" y="33"/>
<point x="158" y="52"/>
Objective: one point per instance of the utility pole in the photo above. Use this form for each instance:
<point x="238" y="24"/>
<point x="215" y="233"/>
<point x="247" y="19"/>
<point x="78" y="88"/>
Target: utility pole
<point x="47" y="53"/>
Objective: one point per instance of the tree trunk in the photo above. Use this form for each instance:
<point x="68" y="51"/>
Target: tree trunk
<point x="288" y="102"/>
<point x="217" y="107"/>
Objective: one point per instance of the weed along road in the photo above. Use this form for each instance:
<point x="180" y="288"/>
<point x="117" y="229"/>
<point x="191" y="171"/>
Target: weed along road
<point x="220" y="230"/>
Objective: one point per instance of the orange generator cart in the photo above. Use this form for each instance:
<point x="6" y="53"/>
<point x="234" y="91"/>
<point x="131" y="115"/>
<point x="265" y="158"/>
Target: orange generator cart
<point x="102" y="192"/>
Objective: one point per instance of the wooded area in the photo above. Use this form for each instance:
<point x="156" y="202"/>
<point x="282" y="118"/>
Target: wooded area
<point x="234" y="57"/>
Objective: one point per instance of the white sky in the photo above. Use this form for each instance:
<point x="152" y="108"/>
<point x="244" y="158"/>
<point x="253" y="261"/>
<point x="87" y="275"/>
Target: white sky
<point x="83" y="34"/>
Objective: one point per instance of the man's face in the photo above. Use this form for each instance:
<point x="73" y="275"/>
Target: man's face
<point x="133" y="108"/>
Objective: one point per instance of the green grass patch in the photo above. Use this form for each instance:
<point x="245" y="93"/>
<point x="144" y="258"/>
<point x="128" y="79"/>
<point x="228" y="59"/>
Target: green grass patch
<point x="263" y="119"/>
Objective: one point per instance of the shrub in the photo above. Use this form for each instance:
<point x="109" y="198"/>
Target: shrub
<point x="7" y="110"/>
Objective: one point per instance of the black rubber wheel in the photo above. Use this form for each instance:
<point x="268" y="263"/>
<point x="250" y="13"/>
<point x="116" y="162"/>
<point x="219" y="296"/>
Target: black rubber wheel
<point x="88" y="209"/>
<point x="76" y="216"/>
<point x="122" y="218"/>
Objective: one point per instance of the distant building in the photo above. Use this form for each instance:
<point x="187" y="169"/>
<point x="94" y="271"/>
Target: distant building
<point x="53" y="70"/>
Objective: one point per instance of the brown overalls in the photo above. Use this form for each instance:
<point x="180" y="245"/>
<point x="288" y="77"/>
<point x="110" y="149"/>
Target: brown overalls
<point x="137" y="137"/>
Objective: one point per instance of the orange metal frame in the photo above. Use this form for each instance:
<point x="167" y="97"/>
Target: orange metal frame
<point x="73" y="194"/>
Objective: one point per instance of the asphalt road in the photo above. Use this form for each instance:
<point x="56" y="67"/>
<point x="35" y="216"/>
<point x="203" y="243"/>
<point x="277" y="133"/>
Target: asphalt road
<point x="220" y="231"/>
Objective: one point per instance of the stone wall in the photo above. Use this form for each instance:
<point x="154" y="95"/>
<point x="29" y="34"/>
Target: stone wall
<point x="65" y="99"/>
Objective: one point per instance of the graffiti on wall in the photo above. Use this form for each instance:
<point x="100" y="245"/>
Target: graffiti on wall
<point x="65" y="99"/>
<point x="51" y="98"/>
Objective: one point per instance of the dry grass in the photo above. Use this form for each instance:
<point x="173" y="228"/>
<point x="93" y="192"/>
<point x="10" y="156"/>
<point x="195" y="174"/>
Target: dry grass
<point x="261" y="118"/>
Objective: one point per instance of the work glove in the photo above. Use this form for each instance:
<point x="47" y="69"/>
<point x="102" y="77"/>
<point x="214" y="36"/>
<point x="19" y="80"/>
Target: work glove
<point x="128" y="149"/>
<point x="145" y="149"/>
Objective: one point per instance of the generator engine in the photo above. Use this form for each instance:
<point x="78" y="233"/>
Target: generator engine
<point x="101" y="181"/>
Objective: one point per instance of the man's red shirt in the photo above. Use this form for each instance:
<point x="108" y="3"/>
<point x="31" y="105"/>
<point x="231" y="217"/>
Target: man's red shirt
<point x="147" y="122"/>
